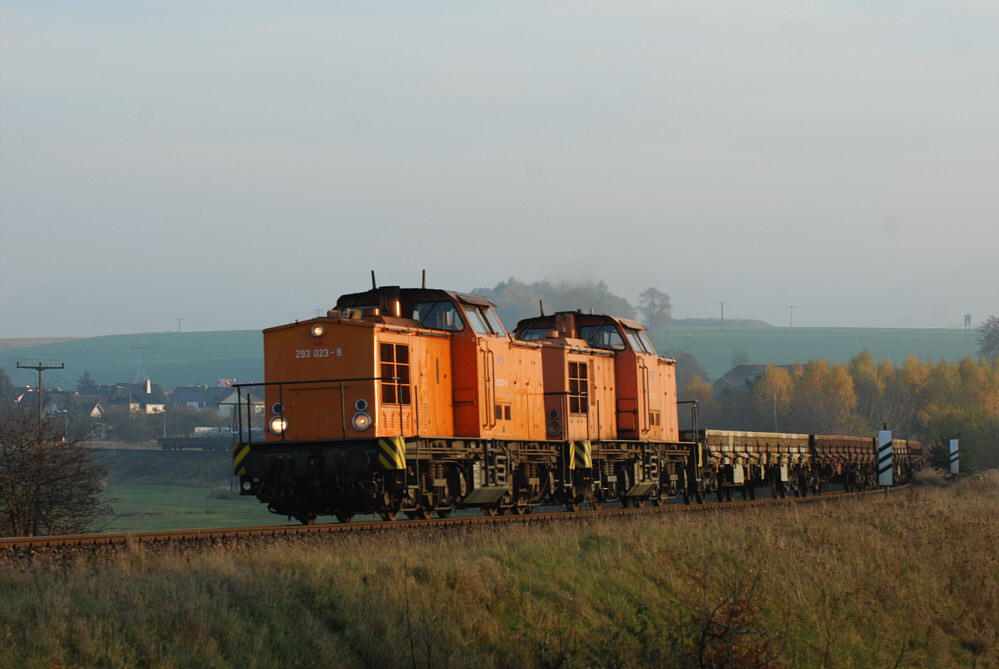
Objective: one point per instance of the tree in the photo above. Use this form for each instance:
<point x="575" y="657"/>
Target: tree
<point x="86" y="383"/>
<point x="655" y="308"/>
<point x="49" y="482"/>
<point x="771" y="396"/>
<point x="686" y="367"/>
<point x="988" y="339"/>
<point x="698" y="390"/>
<point x="6" y="388"/>
<point x="516" y="300"/>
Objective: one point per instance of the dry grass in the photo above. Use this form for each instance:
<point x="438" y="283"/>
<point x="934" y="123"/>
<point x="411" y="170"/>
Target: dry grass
<point x="910" y="579"/>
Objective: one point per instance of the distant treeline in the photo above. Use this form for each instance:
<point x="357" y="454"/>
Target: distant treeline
<point x="516" y="300"/>
<point x="932" y="402"/>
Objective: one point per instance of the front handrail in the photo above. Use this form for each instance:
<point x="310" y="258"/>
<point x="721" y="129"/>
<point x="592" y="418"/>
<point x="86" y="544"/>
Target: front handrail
<point x="281" y="385"/>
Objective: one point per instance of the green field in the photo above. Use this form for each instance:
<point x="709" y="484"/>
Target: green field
<point x="151" y="490"/>
<point x="149" y="508"/>
<point x="188" y="358"/>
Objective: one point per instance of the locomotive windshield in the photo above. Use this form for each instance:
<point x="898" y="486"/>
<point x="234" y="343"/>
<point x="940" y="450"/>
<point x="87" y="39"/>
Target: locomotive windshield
<point x="483" y="319"/>
<point x="602" y="336"/>
<point x="532" y="334"/>
<point x="438" y="316"/>
<point x="639" y="340"/>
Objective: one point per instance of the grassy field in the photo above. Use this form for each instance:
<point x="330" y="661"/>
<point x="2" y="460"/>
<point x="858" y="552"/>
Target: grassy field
<point x="150" y="490"/>
<point x="175" y="359"/>
<point x="148" y="508"/>
<point x="909" y="579"/>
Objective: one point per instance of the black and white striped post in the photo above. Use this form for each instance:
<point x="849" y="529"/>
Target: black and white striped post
<point x="885" y="464"/>
<point x="955" y="465"/>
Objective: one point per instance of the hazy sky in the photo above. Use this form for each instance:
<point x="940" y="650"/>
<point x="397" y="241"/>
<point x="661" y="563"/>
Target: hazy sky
<point x="241" y="164"/>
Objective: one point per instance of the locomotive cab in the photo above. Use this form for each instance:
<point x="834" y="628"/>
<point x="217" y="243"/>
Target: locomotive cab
<point x="643" y="387"/>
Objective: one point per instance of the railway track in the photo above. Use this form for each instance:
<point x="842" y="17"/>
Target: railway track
<point x="64" y="548"/>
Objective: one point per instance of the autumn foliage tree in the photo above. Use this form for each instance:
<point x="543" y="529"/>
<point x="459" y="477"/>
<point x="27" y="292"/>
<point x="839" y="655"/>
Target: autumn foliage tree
<point x="924" y="400"/>
<point x="50" y="483"/>
<point x="988" y="338"/>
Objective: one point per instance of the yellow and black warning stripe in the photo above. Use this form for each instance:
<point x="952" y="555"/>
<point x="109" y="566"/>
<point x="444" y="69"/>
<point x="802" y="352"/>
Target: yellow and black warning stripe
<point x="580" y="455"/>
<point x="239" y="453"/>
<point x="392" y="453"/>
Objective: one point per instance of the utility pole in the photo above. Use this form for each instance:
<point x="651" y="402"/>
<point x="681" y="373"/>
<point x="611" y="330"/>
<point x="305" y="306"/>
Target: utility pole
<point x="722" y="315"/>
<point x="40" y="367"/>
<point x="791" y="317"/>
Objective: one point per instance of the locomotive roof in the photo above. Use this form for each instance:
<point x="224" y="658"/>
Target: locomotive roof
<point x="377" y="296"/>
<point x="540" y="321"/>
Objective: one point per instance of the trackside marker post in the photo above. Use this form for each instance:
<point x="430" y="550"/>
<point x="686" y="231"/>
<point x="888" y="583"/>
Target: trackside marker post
<point x="955" y="464"/>
<point x="885" y="465"/>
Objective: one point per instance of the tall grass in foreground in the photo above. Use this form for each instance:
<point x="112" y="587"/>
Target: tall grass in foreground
<point x="910" y="579"/>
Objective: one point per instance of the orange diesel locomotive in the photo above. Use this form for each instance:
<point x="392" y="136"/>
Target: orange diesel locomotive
<point x="418" y="400"/>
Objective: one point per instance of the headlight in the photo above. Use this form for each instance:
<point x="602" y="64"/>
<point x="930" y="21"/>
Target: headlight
<point x="317" y="330"/>
<point x="278" y="424"/>
<point x="362" y="421"/>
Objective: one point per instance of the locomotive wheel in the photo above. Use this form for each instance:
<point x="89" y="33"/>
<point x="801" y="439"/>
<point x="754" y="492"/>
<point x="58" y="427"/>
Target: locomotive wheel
<point x="306" y="518"/>
<point x="344" y="516"/>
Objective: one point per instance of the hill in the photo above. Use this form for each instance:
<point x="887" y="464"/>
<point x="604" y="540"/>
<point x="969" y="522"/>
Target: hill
<point x="188" y="358"/>
<point x="170" y="358"/>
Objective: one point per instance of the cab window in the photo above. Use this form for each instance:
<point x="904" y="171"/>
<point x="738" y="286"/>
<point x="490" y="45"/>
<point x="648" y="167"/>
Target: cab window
<point x="532" y="334"/>
<point x="494" y="321"/>
<point x="477" y="319"/>
<point x="438" y="316"/>
<point x="639" y="342"/>
<point x="483" y="319"/>
<point x="602" y="336"/>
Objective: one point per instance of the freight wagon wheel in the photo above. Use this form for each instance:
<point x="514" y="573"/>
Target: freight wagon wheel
<point x="444" y="512"/>
<point x="344" y="516"/>
<point x="307" y="518"/>
<point x="490" y="510"/>
<point x="595" y="505"/>
<point x="389" y="515"/>
<point x="572" y="506"/>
